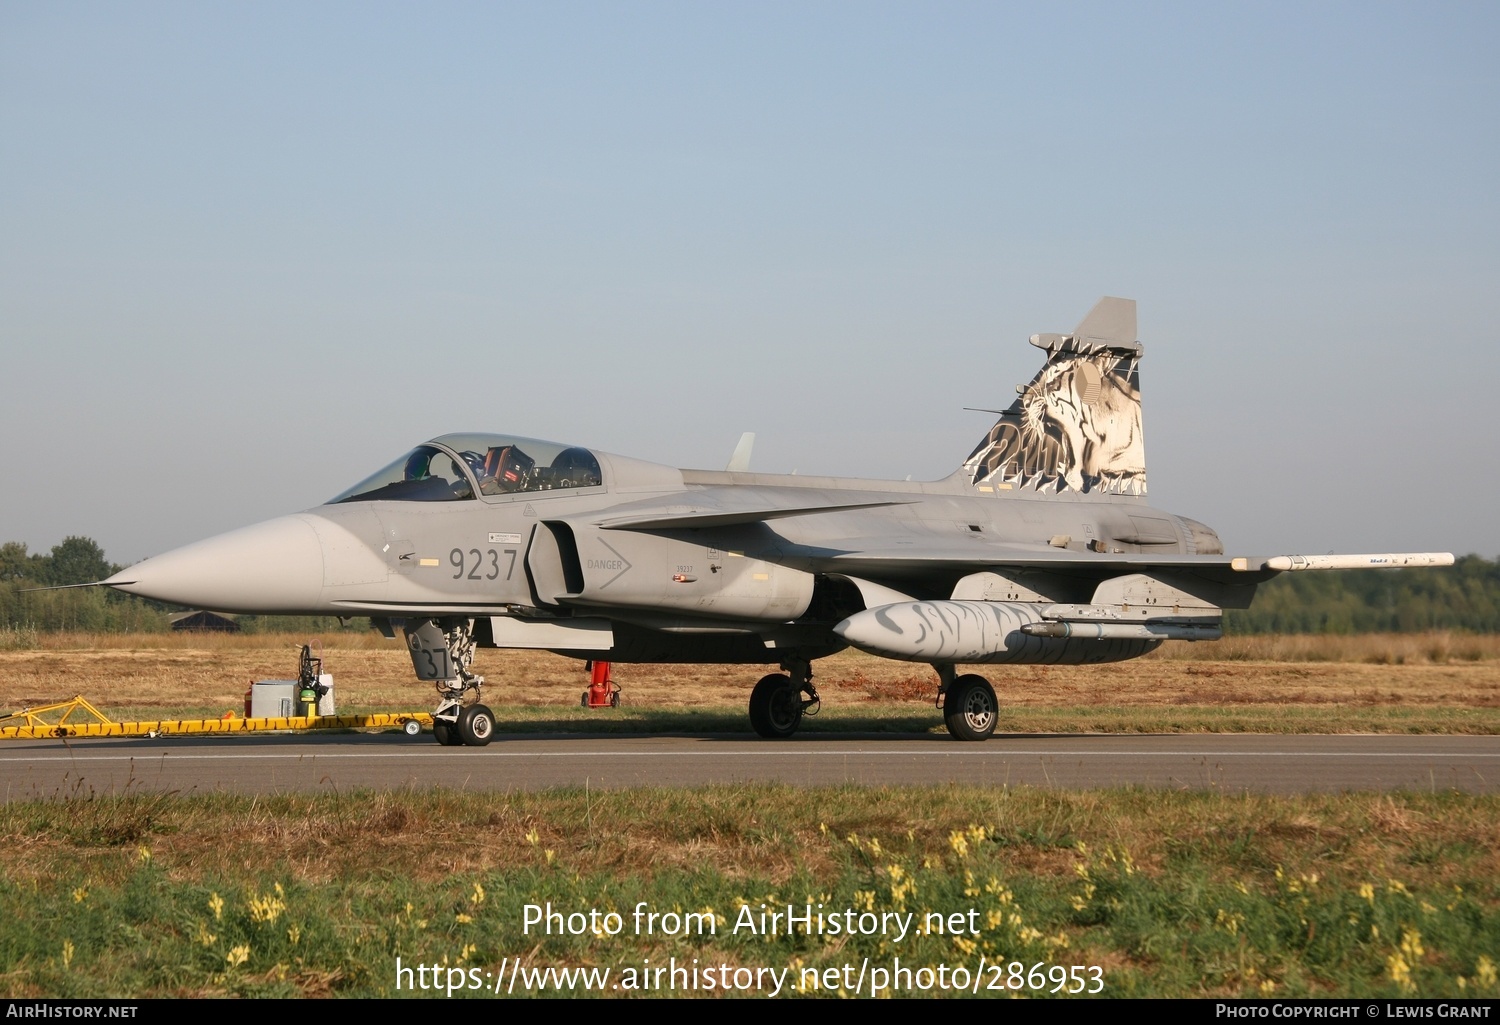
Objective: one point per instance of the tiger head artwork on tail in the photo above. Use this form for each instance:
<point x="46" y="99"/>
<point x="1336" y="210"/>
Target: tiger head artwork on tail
<point x="1077" y="425"/>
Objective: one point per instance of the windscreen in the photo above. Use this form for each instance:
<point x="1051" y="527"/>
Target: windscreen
<point x="425" y="474"/>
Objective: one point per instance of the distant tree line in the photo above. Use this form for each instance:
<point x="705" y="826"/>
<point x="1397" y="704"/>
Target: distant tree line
<point x="1465" y="596"/>
<point x="77" y="560"/>
<point x="80" y="560"/>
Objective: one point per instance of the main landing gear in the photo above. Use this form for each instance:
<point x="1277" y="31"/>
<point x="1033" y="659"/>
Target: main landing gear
<point x="777" y="704"/>
<point x="779" y="701"/>
<point x="442" y="650"/>
<point x="970" y="709"/>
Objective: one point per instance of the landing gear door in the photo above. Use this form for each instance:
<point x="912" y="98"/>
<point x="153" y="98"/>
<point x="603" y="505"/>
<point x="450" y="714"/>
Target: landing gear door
<point x="429" y="652"/>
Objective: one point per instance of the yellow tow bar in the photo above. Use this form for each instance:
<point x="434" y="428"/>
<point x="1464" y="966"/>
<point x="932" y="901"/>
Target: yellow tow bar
<point x="33" y="724"/>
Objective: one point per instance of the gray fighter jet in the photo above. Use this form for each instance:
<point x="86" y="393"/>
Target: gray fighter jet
<point x="1040" y="548"/>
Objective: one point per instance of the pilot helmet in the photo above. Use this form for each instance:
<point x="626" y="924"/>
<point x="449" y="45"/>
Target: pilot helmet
<point x="418" y="464"/>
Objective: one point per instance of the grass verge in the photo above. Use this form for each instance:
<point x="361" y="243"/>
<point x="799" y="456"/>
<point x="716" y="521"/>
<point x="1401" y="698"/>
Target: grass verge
<point x="1166" y="894"/>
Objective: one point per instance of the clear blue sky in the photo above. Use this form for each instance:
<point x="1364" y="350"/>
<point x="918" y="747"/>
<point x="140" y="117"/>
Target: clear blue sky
<point x="251" y="252"/>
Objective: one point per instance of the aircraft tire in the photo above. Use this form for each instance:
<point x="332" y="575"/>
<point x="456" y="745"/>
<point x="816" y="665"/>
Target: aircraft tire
<point x="775" y="707"/>
<point x="445" y="733"/>
<point x="970" y="708"/>
<point x="476" y="725"/>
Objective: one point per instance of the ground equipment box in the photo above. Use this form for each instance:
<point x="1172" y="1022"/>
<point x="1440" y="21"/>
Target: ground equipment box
<point x="277" y="699"/>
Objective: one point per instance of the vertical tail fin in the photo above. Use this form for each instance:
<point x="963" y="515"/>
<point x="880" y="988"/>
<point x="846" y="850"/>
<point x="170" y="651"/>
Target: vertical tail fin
<point x="1077" y="425"/>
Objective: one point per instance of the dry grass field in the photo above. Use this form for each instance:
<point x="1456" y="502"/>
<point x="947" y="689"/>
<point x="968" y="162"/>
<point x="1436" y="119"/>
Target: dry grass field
<point x="1343" y="684"/>
<point x="1199" y="894"/>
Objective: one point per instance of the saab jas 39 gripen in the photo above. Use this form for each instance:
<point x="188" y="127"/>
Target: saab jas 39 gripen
<point x="1040" y="548"/>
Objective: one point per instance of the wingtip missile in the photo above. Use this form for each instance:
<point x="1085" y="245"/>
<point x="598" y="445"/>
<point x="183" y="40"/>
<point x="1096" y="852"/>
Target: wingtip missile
<point x="1388" y="560"/>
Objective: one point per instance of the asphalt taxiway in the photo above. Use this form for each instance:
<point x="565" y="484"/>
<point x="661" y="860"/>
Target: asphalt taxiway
<point x="269" y="764"/>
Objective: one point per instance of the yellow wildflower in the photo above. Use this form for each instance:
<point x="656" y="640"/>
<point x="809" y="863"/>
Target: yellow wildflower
<point x="1400" y="972"/>
<point x="1400" y="963"/>
<point x="265" y="909"/>
<point x="959" y="843"/>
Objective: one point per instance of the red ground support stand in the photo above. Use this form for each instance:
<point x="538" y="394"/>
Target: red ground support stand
<point x="602" y="692"/>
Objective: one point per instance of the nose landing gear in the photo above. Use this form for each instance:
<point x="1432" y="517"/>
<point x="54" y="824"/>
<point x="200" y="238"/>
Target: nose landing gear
<point x="442" y="651"/>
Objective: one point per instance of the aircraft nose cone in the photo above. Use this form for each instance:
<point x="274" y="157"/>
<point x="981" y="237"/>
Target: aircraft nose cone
<point x="271" y="567"/>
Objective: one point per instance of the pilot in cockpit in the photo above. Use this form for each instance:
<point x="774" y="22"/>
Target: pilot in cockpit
<point x="419" y="464"/>
<point x="461" y="486"/>
<point x="419" y="469"/>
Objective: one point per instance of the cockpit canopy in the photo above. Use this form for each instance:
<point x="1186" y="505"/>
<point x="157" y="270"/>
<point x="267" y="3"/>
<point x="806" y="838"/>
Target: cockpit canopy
<point x="457" y="466"/>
